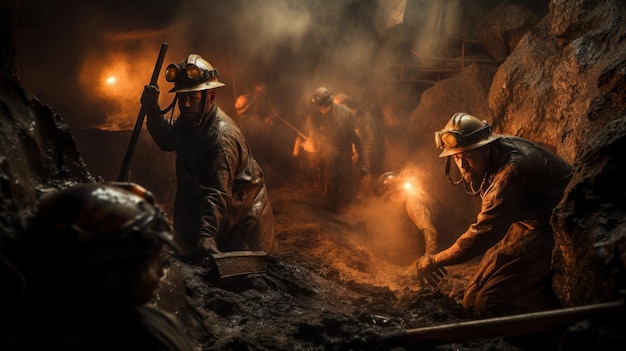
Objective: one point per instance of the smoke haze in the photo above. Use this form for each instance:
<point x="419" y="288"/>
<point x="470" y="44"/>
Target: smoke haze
<point x="89" y="60"/>
<point x="292" y="46"/>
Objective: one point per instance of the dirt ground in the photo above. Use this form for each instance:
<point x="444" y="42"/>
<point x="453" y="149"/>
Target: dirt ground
<point x="333" y="285"/>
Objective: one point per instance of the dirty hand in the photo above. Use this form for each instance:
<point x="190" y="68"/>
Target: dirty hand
<point x="428" y="271"/>
<point x="150" y="100"/>
<point x="209" y="245"/>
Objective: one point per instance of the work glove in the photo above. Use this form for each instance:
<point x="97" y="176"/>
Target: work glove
<point x="150" y="100"/>
<point x="208" y="245"/>
<point x="309" y="145"/>
<point x="428" y="271"/>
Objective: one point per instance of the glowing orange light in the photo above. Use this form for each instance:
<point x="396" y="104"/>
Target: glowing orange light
<point x="111" y="80"/>
<point x="408" y="186"/>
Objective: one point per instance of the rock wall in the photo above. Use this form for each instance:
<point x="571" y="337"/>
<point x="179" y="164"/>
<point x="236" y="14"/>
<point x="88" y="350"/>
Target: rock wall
<point x="38" y="152"/>
<point x="564" y="85"/>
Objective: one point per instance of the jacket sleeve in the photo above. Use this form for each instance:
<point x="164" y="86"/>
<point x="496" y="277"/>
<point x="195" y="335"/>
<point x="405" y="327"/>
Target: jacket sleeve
<point x="217" y="183"/>
<point x="499" y="209"/>
<point x="162" y="131"/>
<point x="349" y="122"/>
<point x="367" y="134"/>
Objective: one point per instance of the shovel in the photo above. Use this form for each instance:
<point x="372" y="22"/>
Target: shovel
<point x="236" y="263"/>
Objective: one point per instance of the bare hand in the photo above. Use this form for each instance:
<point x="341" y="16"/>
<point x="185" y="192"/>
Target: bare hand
<point x="428" y="271"/>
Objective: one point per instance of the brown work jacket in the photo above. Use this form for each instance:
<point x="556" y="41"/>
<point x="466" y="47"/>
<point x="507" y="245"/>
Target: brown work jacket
<point x="221" y="190"/>
<point x="523" y="183"/>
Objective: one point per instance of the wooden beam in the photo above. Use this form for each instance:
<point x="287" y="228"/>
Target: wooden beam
<point x="521" y="324"/>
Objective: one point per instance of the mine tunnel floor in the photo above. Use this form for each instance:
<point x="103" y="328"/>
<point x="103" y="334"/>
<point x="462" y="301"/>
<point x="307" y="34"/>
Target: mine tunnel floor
<point x="327" y="288"/>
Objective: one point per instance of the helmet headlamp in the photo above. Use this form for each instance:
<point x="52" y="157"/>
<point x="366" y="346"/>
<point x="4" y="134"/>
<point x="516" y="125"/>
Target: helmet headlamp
<point x="171" y="72"/>
<point x="451" y="139"/>
<point x="192" y="72"/>
<point x="447" y="139"/>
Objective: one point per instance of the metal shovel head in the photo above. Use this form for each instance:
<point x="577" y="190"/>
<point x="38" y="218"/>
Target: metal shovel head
<point x="234" y="263"/>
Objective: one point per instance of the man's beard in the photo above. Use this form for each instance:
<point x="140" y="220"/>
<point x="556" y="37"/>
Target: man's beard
<point x="189" y="116"/>
<point x="470" y="179"/>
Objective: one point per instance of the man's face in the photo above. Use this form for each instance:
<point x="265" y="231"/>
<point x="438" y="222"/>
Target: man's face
<point x="191" y="105"/>
<point x="472" y="164"/>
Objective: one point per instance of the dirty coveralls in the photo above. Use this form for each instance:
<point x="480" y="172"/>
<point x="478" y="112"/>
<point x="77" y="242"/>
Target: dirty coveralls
<point x="373" y="145"/>
<point x="336" y="134"/>
<point x="220" y="191"/>
<point x="522" y="185"/>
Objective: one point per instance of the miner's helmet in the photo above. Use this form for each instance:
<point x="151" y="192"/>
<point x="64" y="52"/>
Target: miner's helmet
<point x="463" y="132"/>
<point x="242" y="104"/>
<point x="387" y="183"/>
<point x="100" y="224"/>
<point x="322" y="96"/>
<point x="192" y="74"/>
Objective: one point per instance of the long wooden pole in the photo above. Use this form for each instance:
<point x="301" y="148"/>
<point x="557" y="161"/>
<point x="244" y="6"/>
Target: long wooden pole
<point x="123" y="175"/>
<point x="521" y="324"/>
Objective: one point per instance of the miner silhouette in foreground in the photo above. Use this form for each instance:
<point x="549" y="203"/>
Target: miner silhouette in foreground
<point x="97" y="260"/>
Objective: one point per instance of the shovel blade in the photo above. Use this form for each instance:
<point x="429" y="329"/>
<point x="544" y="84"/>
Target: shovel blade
<point x="234" y="263"/>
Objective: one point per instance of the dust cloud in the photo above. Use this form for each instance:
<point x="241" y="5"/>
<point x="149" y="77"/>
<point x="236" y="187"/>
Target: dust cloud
<point x="291" y="46"/>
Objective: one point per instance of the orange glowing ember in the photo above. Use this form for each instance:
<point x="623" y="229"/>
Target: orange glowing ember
<point x="118" y="86"/>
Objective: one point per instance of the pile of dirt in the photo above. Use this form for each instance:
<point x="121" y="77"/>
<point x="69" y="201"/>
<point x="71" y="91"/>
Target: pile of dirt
<point x="325" y="289"/>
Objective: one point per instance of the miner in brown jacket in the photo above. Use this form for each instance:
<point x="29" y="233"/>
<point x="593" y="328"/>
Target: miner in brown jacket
<point x="520" y="182"/>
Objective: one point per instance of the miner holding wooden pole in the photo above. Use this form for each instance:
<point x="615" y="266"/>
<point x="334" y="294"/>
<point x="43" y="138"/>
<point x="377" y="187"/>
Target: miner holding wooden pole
<point x="221" y="202"/>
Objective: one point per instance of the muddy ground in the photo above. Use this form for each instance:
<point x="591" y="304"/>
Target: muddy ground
<point x="333" y="285"/>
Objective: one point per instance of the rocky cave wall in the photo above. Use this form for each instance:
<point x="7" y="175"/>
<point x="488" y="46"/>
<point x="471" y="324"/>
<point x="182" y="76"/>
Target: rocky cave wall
<point x="563" y="85"/>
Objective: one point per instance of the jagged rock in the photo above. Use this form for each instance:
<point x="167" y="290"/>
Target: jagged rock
<point x="501" y="29"/>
